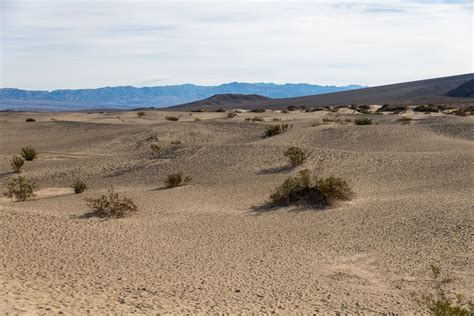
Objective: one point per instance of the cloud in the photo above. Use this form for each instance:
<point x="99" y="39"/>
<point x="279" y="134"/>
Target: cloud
<point x="72" y="44"/>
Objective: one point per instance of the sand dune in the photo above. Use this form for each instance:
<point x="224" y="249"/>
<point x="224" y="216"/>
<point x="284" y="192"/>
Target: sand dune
<point x="207" y="246"/>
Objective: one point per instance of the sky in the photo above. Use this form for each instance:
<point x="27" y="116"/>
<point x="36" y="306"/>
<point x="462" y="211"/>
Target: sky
<point x="48" y="45"/>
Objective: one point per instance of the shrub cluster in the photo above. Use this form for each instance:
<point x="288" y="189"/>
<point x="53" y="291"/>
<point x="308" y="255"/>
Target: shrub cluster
<point x="79" y="186"/>
<point x="17" y="163"/>
<point x="111" y="205"/>
<point x="155" y="150"/>
<point x="273" y="130"/>
<point x="308" y="189"/>
<point x="231" y="114"/>
<point x="295" y="155"/>
<point x="176" y="179"/>
<point x="172" y="118"/>
<point x="20" y="188"/>
<point x="363" y="121"/>
<point x="257" y="119"/>
<point x="258" y="110"/>
<point x="30" y="120"/>
<point x="427" y="108"/>
<point x="29" y="153"/>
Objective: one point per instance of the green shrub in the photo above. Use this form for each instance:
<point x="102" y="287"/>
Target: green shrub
<point x="30" y="120"/>
<point x="79" y="186"/>
<point x="176" y="179"/>
<point x="17" y="162"/>
<point x="20" y="188"/>
<point x="172" y="118"/>
<point x="305" y="188"/>
<point x="296" y="155"/>
<point x="141" y="114"/>
<point x="155" y="150"/>
<point x="111" y="205"/>
<point x="29" y="153"/>
<point x="363" y="121"/>
<point x="273" y="130"/>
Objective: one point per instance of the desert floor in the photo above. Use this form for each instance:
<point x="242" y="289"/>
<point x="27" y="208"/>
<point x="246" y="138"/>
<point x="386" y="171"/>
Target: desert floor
<point x="209" y="246"/>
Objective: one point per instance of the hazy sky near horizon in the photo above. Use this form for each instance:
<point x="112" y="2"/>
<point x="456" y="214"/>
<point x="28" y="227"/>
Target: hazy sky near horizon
<point x="87" y="44"/>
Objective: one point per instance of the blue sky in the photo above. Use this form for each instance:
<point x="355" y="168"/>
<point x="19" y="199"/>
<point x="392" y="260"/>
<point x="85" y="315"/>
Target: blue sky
<point x="86" y="44"/>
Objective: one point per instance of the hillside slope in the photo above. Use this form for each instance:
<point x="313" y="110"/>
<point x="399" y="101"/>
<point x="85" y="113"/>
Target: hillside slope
<point x="414" y="92"/>
<point x="466" y="90"/>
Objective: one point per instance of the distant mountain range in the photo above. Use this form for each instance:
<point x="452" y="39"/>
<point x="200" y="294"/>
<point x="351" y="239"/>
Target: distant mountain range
<point x="164" y="96"/>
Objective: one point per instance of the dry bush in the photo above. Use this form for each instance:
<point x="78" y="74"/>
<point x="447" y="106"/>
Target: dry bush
<point x="405" y="120"/>
<point x="172" y="118"/>
<point x="295" y="155"/>
<point x="79" y="186"/>
<point x="276" y="119"/>
<point x="440" y="302"/>
<point x="155" y="150"/>
<point x="176" y="179"/>
<point x="308" y="189"/>
<point x="17" y="162"/>
<point x="393" y="108"/>
<point x="258" y="110"/>
<point x="363" y="121"/>
<point x="285" y="111"/>
<point x="111" y="205"/>
<point x="273" y="130"/>
<point x="231" y="114"/>
<point x="141" y="114"/>
<point x="197" y="119"/>
<point x="175" y="142"/>
<point x="20" y="188"/>
<point x="427" y="108"/>
<point x="220" y="110"/>
<point x="257" y="119"/>
<point x="30" y="120"/>
<point x="29" y="153"/>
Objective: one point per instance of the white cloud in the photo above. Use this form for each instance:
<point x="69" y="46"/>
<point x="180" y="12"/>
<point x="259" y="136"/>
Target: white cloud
<point x="71" y="44"/>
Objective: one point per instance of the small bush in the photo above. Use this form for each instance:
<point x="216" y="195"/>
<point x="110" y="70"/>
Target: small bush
<point x="296" y="155"/>
<point x="405" y="120"/>
<point x="427" y="108"/>
<point x="347" y="120"/>
<point x="305" y="188"/>
<point x="29" y="153"/>
<point x="155" y="150"/>
<point x="20" y="188"/>
<point x="258" y="110"/>
<point x="30" y="120"/>
<point x="175" y="142"/>
<point x="292" y="108"/>
<point x="231" y="114"/>
<point x="111" y="205"/>
<point x="17" y="163"/>
<point x="79" y="186"/>
<point x="172" y="118"/>
<point x="176" y="179"/>
<point x="197" y="119"/>
<point x="273" y="130"/>
<point x="363" y="121"/>
<point x="257" y="119"/>
<point x="220" y="110"/>
<point x="393" y="108"/>
<point x="247" y="118"/>
<point x="285" y="111"/>
<point x="276" y="119"/>
<point x="141" y="114"/>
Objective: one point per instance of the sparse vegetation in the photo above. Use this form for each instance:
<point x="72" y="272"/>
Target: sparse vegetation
<point x="295" y="155"/>
<point x="17" y="163"/>
<point x="257" y="119"/>
<point x="396" y="108"/>
<point x="441" y="303"/>
<point x="273" y="130"/>
<point x="111" y="205"/>
<point x="220" y="110"/>
<point x="20" y="188"/>
<point x="155" y="150"/>
<point x="427" y="108"/>
<point x="175" y="142"/>
<point x="405" y="120"/>
<point x="141" y="114"/>
<point x="276" y="119"/>
<point x="258" y="110"/>
<point x="29" y="153"/>
<point x="197" y="119"/>
<point x="176" y="179"/>
<point x="30" y="120"/>
<point x="79" y="186"/>
<point x="231" y="114"/>
<point x="308" y="189"/>
<point x="285" y="111"/>
<point x="172" y="118"/>
<point x="363" y="121"/>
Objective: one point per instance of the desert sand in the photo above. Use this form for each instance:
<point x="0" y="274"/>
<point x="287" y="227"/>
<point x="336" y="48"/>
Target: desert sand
<point x="209" y="246"/>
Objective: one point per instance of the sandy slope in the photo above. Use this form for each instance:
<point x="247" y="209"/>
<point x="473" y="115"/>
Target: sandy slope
<point x="208" y="246"/>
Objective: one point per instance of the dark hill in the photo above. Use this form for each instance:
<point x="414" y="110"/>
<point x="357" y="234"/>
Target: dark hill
<point x="223" y="100"/>
<point x="414" y="92"/>
<point x="466" y="90"/>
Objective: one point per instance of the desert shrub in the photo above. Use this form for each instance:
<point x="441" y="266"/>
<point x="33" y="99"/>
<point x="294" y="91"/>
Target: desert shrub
<point x="347" y="120"/>
<point x="440" y="302"/>
<point x="111" y="205"/>
<point x="172" y="118"/>
<point x="258" y="110"/>
<point x="20" y="188"/>
<point x="332" y="120"/>
<point x="363" y="121"/>
<point x="17" y="162"/>
<point x="141" y="114"/>
<point x="427" y="108"/>
<point x="295" y="155"/>
<point x="294" y="108"/>
<point x="273" y="130"/>
<point x="176" y="179"/>
<point x="405" y="120"/>
<point x="79" y="186"/>
<point x="308" y="189"/>
<point x="393" y="108"/>
<point x="197" y="119"/>
<point x="257" y="119"/>
<point x="220" y="110"/>
<point x="29" y="153"/>
<point x="155" y="150"/>
<point x="175" y="142"/>
<point x="276" y="119"/>
<point x="231" y="114"/>
<point x="248" y="118"/>
<point x="285" y="111"/>
<point x="30" y="120"/>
